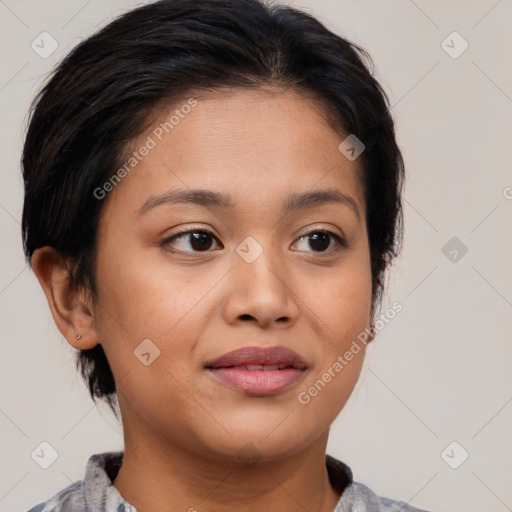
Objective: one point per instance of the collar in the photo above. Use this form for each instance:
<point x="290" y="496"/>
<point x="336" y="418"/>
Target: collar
<point x="102" y="469"/>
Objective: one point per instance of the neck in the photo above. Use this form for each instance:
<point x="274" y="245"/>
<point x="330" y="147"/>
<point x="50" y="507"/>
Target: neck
<point x="157" y="475"/>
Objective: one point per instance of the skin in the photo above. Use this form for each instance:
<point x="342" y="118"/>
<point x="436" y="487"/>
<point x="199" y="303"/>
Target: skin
<point x="185" y="433"/>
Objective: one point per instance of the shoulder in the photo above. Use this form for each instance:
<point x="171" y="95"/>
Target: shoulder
<point x="70" y="499"/>
<point x="359" y="497"/>
<point x="94" y="493"/>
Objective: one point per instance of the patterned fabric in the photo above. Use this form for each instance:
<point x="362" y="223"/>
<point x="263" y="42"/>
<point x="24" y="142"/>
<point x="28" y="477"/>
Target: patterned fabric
<point x="95" y="493"/>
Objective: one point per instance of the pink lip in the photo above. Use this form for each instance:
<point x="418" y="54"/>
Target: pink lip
<point x="257" y="355"/>
<point x="231" y="369"/>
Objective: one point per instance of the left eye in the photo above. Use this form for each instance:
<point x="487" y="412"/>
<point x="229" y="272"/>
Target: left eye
<point x="200" y="240"/>
<point x="321" y="241"/>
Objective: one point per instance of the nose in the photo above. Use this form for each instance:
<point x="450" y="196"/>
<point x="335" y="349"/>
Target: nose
<point x="261" y="292"/>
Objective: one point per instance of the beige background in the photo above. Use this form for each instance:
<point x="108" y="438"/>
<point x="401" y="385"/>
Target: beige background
<point x="438" y="373"/>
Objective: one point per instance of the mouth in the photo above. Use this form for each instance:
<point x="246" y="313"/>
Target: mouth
<point x="256" y="367"/>
<point x="258" y="371"/>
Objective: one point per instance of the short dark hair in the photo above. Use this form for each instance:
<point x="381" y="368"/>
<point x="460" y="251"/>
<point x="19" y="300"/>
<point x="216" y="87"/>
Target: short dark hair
<point x="107" y="90"/>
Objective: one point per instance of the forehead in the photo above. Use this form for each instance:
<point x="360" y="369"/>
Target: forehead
<point x="253" y="144"/>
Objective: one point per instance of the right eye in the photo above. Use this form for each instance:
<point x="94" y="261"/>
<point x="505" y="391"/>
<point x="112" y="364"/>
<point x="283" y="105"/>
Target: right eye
<point x="199" y="240"/>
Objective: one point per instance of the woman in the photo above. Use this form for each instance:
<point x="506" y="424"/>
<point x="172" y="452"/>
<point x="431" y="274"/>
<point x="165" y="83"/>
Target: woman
<point x="213" y="196"/>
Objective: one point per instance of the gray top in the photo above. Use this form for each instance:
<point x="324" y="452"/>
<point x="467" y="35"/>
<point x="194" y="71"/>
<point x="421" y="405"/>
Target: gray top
<point x="95" y="493"/>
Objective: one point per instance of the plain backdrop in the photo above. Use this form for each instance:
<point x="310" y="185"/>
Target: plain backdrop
<point x="436" y="384"/>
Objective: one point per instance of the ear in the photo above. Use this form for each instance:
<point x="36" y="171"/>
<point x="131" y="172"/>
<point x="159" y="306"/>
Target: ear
<point x="71" y="308"/>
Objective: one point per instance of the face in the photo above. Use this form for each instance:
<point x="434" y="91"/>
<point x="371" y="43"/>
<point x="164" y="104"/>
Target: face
<point x="262" y="260"/>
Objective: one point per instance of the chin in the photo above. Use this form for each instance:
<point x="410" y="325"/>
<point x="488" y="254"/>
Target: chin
<point x="259" y="441"/>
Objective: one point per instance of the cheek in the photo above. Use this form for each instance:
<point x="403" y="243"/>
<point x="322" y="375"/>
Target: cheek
<point x="144" y="300"/>
<point x="341" y="297"/>
<point x="342" y="303"/>
<point x="343" y="314"/>
<point x="349" y="299"/>
<point x="144" y="296"/>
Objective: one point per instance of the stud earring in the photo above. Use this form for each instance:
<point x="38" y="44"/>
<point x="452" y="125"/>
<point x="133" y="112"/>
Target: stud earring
<point x="78" y="336"/>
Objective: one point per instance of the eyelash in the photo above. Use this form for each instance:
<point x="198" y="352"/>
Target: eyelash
<point x="340" y="242"/>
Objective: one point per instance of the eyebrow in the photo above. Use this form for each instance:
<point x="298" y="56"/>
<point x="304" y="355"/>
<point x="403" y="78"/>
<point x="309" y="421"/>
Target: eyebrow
<point x="210" y="198"/>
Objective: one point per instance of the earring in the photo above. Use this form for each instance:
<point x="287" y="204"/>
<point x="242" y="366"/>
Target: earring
<point x="78" y="336"/>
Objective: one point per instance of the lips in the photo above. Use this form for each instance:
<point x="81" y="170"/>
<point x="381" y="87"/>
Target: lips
<point x="258" y="371"/>
<point x="254" y="358"/>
